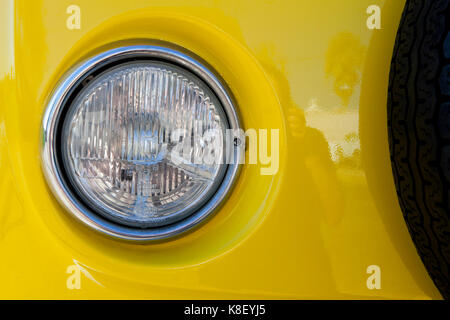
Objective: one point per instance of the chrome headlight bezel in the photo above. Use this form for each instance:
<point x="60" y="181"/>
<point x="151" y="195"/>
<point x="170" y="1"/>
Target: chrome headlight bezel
<point x="58" y="105"/>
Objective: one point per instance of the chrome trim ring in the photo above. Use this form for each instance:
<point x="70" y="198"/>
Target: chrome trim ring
<point x="57" y="104"/>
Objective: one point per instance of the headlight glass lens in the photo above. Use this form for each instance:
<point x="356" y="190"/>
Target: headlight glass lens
<point x="143" y="143"/>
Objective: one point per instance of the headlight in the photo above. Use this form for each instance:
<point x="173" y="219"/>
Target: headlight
<point x="136" y="142"/>
<point x="124" y="138"/>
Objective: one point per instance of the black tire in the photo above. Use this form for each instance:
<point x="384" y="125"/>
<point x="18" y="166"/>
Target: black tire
<point x="419" y="131"/>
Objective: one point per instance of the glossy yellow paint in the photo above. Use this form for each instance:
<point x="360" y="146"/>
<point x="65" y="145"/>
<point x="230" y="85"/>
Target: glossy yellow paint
<point x="309" y="68"/>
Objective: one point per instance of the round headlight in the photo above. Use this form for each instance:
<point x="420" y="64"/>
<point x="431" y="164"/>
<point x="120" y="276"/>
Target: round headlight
<point x="137" y="142"/>
<point x="123" y="137"/>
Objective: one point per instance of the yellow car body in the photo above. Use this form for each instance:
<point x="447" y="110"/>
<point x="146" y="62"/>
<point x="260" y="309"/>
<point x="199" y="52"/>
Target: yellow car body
<point x="312" y="69"/>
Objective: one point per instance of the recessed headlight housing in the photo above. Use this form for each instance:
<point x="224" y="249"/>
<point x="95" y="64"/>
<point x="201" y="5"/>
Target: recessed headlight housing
<point x="136" y="142"/>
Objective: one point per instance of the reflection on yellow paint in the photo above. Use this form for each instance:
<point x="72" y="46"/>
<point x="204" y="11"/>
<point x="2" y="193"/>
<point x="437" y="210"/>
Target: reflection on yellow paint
<point x="344" y="59"/>
<point x="7" y="37"/>
<point x="313" y="148"/>
<point x="353" y="159"/>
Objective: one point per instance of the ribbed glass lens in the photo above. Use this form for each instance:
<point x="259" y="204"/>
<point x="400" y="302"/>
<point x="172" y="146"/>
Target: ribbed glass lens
<point x="143" y="143"/>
